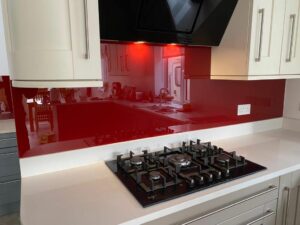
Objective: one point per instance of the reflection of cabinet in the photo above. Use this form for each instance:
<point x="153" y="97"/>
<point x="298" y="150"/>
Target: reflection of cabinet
<point x="116" y="57"/>
<point x="53" y="43"/>
<point x="289" y="200"/>
<point x="252" y="45"/>
<point x="255" y="205"/>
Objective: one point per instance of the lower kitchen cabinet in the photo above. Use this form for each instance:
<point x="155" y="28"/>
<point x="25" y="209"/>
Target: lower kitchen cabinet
<point x="289" y="200"/>
<point x="255" y="205"/>
<point x="10" y="176"/>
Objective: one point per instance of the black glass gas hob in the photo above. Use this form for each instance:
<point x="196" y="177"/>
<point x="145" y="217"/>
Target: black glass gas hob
<point x="156" y="177"/>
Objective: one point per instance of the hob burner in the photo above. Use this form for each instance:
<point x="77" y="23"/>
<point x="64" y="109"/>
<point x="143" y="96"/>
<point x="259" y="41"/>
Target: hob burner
<point x="154" y="175"/>
<point x="136" y="161"/>
<point x="223" y="159"/>
<point x="182" y="160"/>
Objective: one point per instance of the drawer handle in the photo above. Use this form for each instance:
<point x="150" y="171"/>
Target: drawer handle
<point x="87" y="32"/>
<point x="10" y="182"/>
<point x="286" y="205"/>
<point x="270" y="189"/>
<point x="268" y="214"/>
<point x="259" y="34"/>
<point x="291" y="38"/>
<point x="8" y="154"/>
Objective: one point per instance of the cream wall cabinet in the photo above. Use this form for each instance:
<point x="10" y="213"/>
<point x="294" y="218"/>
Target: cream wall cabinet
<point x="53" y="43"/>
<point x="3" y="54"/>
<point x="261" y="42"/>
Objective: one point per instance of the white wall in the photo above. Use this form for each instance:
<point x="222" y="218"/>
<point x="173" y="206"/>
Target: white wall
<point x="292" y="99"/>
<point x="3" y="55"/>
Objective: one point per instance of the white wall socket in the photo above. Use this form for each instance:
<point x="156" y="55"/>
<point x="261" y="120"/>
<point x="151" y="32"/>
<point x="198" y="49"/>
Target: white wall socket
<point x="244" y="110"/>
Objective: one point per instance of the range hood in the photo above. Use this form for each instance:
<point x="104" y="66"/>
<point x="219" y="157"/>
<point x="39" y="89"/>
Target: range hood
<point x="188" y="22"/>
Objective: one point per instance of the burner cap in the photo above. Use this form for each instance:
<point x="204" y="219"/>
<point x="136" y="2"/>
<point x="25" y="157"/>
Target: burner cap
<point x="136" y="161"/>
<point x="223" y="159"/>
<point x="180" y="159"/>
<point x="154" y="175"/>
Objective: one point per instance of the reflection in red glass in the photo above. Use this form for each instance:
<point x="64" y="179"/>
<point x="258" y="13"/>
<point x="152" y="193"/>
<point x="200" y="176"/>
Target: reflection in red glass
<point x="145" y="94"/>
<point x="6" y="107"/>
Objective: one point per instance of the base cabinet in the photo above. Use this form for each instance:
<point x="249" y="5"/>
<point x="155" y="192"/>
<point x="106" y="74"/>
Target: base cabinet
<point x="255" y="205"/>
<point x="289" y="200"/>
<point x="10" y="176"/>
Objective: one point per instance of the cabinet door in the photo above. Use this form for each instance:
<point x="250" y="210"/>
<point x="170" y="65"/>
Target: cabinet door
<point x="289" y="200"/>
<point x="85" y="32"/>
<point x="40" y="40"/>
<point x="266" y="37"/>
<point x="290" y="59"/>
<point x="3" y="55"/>
<point x="296" y="198"/>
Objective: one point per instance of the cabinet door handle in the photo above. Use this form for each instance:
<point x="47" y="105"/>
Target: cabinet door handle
<point x="286" y="205"/>
<point x="270" y="189"/>
<point x="259" y="35"/>
<point x="290" y="43"/>
<point x="266" y="215"/>
<point x="86" y="27"/>
<point x="297" y="204"/>
<point x="10" y="182"/>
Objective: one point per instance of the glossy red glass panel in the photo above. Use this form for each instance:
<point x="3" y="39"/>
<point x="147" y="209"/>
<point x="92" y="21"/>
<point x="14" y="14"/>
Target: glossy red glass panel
<point x="148" y="91"/>
<point x="6" y="106"/>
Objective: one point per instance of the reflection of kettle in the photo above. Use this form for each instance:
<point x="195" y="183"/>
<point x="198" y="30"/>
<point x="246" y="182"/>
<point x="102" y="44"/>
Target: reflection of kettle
<point x="116" y="90"/>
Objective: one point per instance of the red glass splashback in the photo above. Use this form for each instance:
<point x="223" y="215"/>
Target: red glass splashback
<point x="148" y="91"/>
<point x="6" y="107"/>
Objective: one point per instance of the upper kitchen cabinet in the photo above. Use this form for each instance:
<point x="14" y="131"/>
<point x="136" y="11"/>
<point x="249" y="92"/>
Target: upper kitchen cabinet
<point x="290" y="59"/>
<point x="3" y="55"/>
<point x="252" y="45"/>
<point x="53" y="43"/>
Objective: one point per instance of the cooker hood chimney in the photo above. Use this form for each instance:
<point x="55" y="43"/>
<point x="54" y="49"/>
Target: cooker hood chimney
<point x="188" y="22"/>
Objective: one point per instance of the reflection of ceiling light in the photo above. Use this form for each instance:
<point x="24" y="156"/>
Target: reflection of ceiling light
<point x="173" y="44"/>
<point x="140" y="42"/>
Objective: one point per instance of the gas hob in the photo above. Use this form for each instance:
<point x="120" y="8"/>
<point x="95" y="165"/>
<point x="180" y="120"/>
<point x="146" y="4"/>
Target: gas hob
<point x="173" y="172"/>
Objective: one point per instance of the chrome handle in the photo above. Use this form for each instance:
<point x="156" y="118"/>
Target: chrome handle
<point x="286" y="205"/>
<point x="270" y="189"/>
<point x="266" y="215"/>
<point x="297" y="204"/>
<point x="290" y="43"/>
<point x="8" y="154"/>
<point x="259" y="35"/>
<point x="10" y="182"/>
<point x="87" y="32"/>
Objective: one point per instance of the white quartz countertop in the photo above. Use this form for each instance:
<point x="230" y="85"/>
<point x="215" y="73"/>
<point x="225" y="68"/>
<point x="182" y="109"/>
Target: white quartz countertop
<point x="92" y="195"/>
<point x="7" y="126"/>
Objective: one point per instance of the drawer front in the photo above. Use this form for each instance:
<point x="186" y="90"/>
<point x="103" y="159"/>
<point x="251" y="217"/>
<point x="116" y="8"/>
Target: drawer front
<point x="10" y="192"/>
<point x="9" y="164"/>
<point x="8" y="143"/>
<point x="265" y="214"/>
<point x="9" y="208"/>
<point x="8" y="136"/>
<point x="225" y="207"/>
<point x="9" y="150"/>
<point x="238" y="208"/>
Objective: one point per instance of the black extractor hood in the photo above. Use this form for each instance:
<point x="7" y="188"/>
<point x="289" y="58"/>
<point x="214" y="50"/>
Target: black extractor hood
<point x="188" y="22"/>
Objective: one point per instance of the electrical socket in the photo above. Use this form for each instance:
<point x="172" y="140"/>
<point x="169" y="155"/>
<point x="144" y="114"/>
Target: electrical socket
<point x="243" y="110"/>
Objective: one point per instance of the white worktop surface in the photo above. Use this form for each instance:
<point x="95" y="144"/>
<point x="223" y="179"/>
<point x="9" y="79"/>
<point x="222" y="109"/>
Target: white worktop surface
<point x="92" y="195"/>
